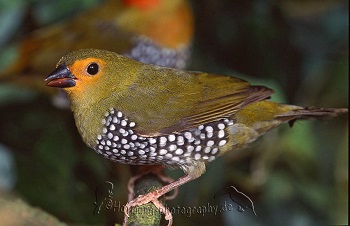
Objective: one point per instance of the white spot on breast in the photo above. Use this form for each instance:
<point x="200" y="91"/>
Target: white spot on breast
<point x="221" y="126"/>
<point x="179" y="151"/>
<point x="163" y="151"/>
<point x="222" y="142"/>
<point x="221" y="133"/>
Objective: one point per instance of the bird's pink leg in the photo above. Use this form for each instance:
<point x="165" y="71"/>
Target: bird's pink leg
<point x="192" y="172"/>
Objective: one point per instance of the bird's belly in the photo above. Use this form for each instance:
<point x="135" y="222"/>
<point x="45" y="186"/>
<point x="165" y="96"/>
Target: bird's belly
<point x="119" y="142"/>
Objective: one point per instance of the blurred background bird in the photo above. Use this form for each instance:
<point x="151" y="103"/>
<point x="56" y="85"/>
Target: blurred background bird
<point x="151" y="31"/>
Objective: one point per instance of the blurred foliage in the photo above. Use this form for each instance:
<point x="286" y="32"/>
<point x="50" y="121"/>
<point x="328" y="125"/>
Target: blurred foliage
<point x="295" y="176"/>
<point x="16" y="212"/>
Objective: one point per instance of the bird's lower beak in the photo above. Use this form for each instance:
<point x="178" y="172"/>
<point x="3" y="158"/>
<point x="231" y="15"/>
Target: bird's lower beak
<point x="61" y="77"/>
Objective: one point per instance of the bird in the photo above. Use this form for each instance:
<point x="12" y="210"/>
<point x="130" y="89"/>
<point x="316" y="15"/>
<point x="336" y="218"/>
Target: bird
<point x="151" y="31"/>
<point x="142" y="114"/>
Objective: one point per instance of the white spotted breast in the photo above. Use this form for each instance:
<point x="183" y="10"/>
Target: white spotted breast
<point x="119" y="142"/>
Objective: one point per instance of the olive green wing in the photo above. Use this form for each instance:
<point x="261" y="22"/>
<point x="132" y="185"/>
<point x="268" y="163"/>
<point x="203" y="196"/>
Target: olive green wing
<point x="185" y="100"/>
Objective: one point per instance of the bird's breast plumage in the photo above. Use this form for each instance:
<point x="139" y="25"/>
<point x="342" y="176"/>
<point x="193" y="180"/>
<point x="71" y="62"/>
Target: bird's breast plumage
<point x="120" y="142"/>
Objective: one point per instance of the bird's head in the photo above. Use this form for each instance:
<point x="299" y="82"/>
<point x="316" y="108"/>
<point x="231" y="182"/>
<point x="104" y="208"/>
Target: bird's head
<point x="91" y="74"/>
<point x="95" y="81"/>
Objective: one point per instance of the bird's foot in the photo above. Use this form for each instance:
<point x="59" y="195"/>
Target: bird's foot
<point x="167" y="215"/>
<point x="144" y="199"/>
<point x="156" y="170"/>
<point x="193" y="172"/>
<point x="151" y="196"/>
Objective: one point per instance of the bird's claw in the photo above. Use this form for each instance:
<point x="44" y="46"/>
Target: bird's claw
<point x="144" y="199"/>
<point x="140" y="200"/>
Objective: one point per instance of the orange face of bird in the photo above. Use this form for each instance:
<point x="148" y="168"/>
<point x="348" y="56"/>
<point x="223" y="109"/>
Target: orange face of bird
<point x="78" y="76"/>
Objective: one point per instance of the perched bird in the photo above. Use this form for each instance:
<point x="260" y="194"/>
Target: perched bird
<point x="141" y="114"/>
<point x="152" y="31"/>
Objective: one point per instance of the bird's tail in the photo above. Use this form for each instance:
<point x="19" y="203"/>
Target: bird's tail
<point x="257" y="118"/>
<point x="310" y="113"/>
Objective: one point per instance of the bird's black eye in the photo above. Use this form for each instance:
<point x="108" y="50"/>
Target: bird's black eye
<point x="92" y="68"/>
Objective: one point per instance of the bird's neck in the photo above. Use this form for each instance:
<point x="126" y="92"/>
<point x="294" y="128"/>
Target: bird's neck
<point x="87" y="121"/>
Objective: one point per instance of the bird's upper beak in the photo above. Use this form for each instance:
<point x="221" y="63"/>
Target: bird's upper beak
<point x="61" y="77"/>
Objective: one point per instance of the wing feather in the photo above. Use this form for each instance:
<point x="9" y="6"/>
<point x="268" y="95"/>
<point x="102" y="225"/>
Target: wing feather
<point x="180" y="100"/>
